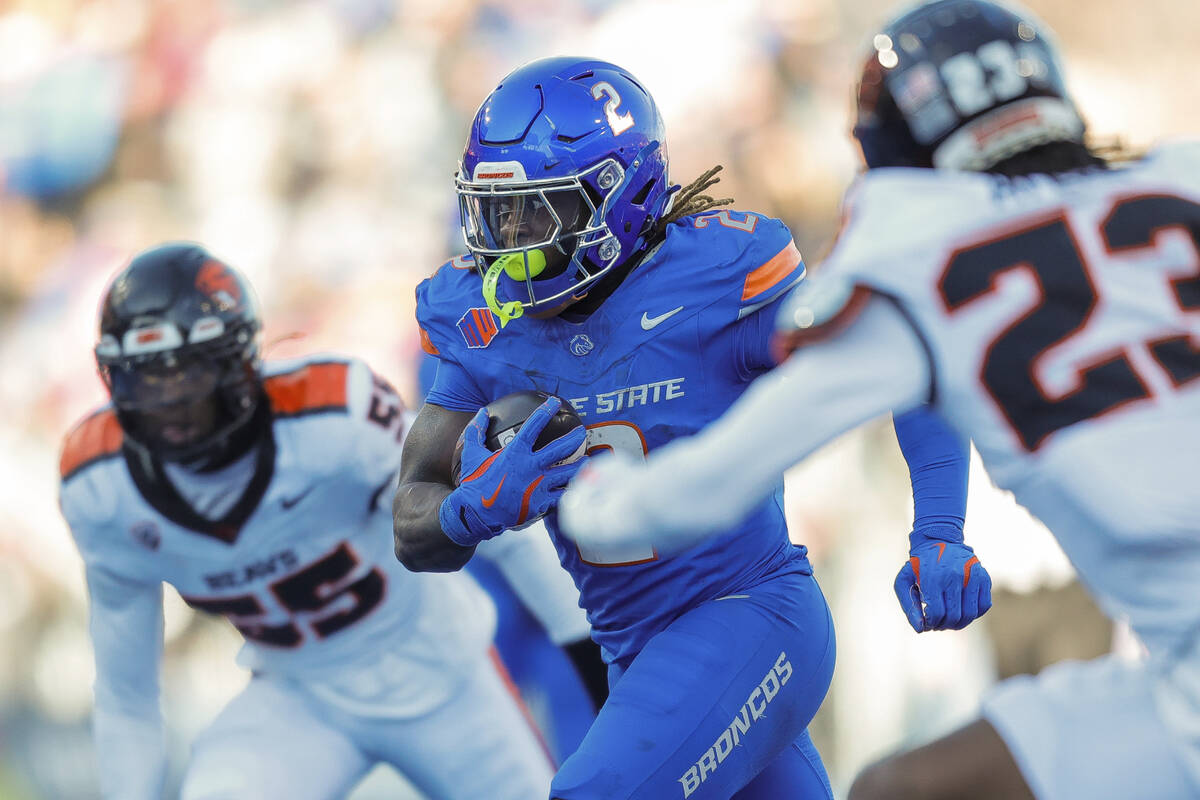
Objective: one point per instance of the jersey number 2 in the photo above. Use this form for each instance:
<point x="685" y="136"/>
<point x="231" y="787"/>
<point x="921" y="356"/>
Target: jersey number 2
<point x="622" y="437"/>
<point x="1066" y="303"/>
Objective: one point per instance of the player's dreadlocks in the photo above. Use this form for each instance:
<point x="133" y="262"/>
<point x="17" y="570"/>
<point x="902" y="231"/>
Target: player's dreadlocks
<point x="1048" y="159"/>
<point x="1059" y="157"/>
<point x="690" y="200"/>
<point x="1114" y="150"/>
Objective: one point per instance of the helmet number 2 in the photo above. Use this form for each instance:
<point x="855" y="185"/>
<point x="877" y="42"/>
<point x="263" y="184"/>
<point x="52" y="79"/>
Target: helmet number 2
<point x="618" y="122"/>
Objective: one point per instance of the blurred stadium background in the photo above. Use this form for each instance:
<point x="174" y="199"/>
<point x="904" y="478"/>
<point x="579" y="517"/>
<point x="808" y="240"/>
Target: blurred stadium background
<point x="312" y="144"/>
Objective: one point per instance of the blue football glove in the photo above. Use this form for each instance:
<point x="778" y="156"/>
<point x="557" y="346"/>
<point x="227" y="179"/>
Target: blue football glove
<point x="945" y="577"/>
<point x="513" y="486"/>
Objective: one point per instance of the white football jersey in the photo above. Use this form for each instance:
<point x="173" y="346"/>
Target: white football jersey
<point x="1062" y="322"/>
<point x="303" y="563"/>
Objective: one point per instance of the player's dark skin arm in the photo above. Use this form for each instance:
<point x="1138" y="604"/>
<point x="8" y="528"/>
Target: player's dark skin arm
<point x="971" y="763"/>
<point x="424" y="483"/>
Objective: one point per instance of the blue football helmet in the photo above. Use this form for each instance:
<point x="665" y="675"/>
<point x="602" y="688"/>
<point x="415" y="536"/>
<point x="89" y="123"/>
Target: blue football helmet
<point x="563" y="177"/>
<point x="962" y="84"/>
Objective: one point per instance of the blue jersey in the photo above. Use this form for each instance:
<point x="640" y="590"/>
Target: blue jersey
<point x="677" y="342"/>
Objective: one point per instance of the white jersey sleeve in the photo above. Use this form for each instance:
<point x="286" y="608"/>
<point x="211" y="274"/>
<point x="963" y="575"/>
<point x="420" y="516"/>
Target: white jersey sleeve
<point x="126" y="625"/>
<point x="529" y="563"/>
<point x="876" y="365"/>
<point x="127" y="636"/>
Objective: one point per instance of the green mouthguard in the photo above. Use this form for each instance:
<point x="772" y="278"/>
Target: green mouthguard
<point x="515" y="264"/>
<point x="507" y="311"/>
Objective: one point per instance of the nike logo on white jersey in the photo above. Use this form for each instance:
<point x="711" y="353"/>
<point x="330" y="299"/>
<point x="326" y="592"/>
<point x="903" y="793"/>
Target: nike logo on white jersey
<point x="649" y="322"/>
<point x="288" y="502"/>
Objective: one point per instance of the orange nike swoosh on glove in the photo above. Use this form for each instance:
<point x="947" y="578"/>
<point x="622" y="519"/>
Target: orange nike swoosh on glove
<point x="972" y="561"/>
<point x="488" y="502"/>
<point x="525" y="499"/>
<point x="482" y="468"/>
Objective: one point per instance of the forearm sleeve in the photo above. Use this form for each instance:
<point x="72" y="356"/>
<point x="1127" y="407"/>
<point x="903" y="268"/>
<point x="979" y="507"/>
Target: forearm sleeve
<point x="938" y="460"/>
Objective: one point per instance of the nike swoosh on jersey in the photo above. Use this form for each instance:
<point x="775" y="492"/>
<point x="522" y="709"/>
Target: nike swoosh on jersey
<point x="288" y="502"/>
<point x="649" y="322"/>
<point x="488" y="502"/>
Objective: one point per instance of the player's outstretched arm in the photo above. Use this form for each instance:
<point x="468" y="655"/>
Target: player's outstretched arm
<point x="423" y="486"/>
<point x="701" y="485"/>
<point x="942" y="586"/>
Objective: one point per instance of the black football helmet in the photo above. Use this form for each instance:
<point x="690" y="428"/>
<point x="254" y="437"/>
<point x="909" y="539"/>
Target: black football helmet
<point x="962" y="84"/>
<point x="179" y="353"/>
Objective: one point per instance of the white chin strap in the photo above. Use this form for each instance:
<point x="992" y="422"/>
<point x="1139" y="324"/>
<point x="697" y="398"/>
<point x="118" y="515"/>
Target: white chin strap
<point x="1009" y="130"/>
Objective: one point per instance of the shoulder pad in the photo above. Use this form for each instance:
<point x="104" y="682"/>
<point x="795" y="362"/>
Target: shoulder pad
<point x="751" y="254"/>
<point x="889" y="210"/>
<point x="94" y="438"/>
<point x="1184" y="153"/>
<point x="451" y="312"/>
<point x="373" y="399"/>
<point x="308" y="387"/>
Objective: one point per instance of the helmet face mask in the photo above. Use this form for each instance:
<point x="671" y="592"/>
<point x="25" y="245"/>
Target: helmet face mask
<point x="560" y="218"/>
<point x="524" y="218"/>
<point x="562" y="179"/>
<point x="179" y="403"/>
<point x="179" y="355"/>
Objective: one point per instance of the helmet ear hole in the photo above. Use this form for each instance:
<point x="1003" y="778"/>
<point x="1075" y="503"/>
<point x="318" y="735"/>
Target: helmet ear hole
<point x="640" y="198"/>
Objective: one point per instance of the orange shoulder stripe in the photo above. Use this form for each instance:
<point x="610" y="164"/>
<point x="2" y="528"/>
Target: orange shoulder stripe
<point x="96" y="437"/>
<point x="426" y="343"/>
<point x="312" y="388"/>
<point x="769" y="274"/>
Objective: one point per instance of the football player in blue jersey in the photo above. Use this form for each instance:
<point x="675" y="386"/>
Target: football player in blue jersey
<point x="542" y="636"/>
<point x="650" y="308"/>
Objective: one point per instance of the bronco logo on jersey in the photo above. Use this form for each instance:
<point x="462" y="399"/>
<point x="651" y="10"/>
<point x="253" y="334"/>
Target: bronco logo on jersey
<point x="581" y="345"/>
<point x="218" y="282"/>
<point x="477" y="326"/>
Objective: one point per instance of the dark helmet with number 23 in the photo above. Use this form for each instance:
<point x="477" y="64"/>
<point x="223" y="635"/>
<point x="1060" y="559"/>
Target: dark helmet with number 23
<point x="179" y="354"/>
<point x="962" y="84"/>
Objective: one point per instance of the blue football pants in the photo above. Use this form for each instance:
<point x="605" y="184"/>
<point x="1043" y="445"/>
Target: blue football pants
<point x="716" y="706"/>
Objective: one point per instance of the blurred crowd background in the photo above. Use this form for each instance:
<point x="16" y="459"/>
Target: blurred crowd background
<point x="312" y="144"/>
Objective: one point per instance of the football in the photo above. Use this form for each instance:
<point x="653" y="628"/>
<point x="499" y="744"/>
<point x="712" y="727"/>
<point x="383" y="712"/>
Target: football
<point x="507" y="414"/>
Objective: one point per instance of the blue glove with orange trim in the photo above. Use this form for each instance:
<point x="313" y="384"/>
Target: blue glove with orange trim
<point x="513" y="486"/>
<point x="943" y="586"/>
